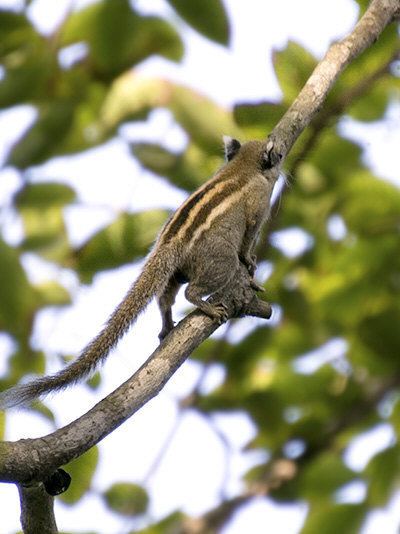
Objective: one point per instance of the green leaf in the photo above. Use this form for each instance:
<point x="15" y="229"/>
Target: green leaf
<point x="15" y="31"/>
<point x="372" y="106"/>
<point x="44" y="195"/>
<point x="193" y="111"/>
<point x="293" y="66"/>
<point x="44" y="136"/>
<point x="44" y="411"/>
<point x="208" y="17"/>
<point x="379" y="211"/>
<point x="332" y="519"/>
<point x="383" y="474"/>
<point x="18" y="299"/>
<point x="45" y="232"/>
<point x="126" y="239"/>
<point x="322" y="477"/>
<point x="379" y="335"/>
<point x="27" y="60"/>
<point x="254" y="117"/>
<point x="131" y="97"/>
<point x="170" y="524"/>
<point x="53" y="294"/>
<point x="94" y="381"/>
<point x="127" y="499"/>
<point x="25" y="83"/>
<point x="363" y="4"/>
<point x="81" y="470"/>
<point x="118" y="37"/>
<point x="336" y="158"/>
<point x="188" y="170"/>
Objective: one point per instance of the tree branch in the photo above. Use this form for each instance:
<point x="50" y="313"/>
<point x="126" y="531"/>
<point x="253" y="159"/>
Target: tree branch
<point x="310" y="99"/>
<point x="278" y="472"/>
<point x="36" y="459"/>
<point x="37" y="510"/>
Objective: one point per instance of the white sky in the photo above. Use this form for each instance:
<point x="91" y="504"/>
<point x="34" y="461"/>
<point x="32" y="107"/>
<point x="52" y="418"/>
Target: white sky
<point x="244" y="72"/>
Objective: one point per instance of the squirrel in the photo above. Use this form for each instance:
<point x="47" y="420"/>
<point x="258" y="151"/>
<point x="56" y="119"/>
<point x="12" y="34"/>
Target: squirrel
<point x="201" y="244"/>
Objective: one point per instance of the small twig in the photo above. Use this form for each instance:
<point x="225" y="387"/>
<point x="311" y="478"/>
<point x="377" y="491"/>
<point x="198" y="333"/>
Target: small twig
<point x="279" y="471"/>
<point x="163" y="449"/>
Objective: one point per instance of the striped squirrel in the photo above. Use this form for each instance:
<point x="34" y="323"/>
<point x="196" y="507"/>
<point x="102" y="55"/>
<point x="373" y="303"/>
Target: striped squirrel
<point x="201" y="244"/>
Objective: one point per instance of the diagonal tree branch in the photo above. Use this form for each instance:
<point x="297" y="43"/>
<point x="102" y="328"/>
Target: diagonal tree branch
<point x="30" y="460"/>
<point x="322" y="120"/>
<point x="36" y="459"/>
<point x="327" y="115"/>
<point x="310" y="99"/>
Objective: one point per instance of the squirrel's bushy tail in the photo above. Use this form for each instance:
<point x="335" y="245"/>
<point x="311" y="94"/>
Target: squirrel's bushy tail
<point x="156" y="272"/>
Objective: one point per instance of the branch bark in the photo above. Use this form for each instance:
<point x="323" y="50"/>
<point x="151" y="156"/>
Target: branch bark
<point x="37" y="512"/>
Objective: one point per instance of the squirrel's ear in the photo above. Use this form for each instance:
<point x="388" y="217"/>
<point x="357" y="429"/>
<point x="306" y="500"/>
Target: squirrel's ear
<point x="231" y="146"/>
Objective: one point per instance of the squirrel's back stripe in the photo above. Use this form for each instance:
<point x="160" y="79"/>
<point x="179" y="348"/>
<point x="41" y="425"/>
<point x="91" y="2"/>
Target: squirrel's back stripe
<point x="221" y="204"/>
<point x="199" y="206"/>
<point x="184" y="213"/>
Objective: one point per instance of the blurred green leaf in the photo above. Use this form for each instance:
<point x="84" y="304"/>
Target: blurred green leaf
<point x="44" y="195"/>
<point x="25" y="82"/>
<point x="47" y="132"/>
<point x="208" y="17"/>
<point x="127" y="499"/>
<point x="193" y="111"/>
<point x="378" y="334"/>
<point x="363" y="4"/>
<point x="383" y="474"/>
<point x="81" y="470"/>
<point x="188" y="170"/>
<point x="324" y="476"/>
<point x="118" y="37"/>
<point x="379" y="211"/>
<point x="331" y="519"/>
<point x="15" y="32"/>
<point x="18" y="299"/>
<point x="293" y="65"/>
<point x="132" y="96"/>
<point x="53" y="294"/>
<point x="28" y="62"/>
<point x="45" y="232"/>
<point x="170" y="524"/>
<point x="336" y="158"/>
<point x="372" y="106"/>
<point x="44" y="411"/>
<point x="123" y="241"/>
<point x="260" y="116"/>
